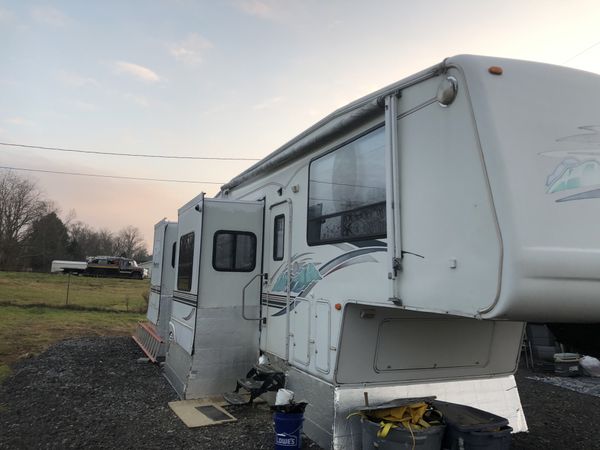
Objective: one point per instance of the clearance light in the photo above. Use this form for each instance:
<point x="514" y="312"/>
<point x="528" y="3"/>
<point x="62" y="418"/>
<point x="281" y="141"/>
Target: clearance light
<point x="495" y="70"/>
<point x="338" y="306"/>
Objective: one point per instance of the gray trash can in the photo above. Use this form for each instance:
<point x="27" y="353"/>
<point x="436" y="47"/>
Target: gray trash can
<point x="469" y="428"/>
<point x="400" y="438"/>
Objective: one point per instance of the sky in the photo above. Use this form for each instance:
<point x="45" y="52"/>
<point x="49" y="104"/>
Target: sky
<point x="229" y="78"/>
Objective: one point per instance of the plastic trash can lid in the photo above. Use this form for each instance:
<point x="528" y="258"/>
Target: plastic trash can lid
<point x="397" y="403"/>
<point x="467" y="418"/>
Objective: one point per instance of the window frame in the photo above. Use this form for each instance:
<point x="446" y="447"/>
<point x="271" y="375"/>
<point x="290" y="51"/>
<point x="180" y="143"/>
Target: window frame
<point x="191" y="275"/>
<point x="275" y="241"/>
<point x="235" y="233"/>
<point x="173" y="254"/>
<point x="313" y="243"/>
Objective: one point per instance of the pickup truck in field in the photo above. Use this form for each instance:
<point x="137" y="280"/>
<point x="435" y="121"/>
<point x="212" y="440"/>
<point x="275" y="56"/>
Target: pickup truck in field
<point x="101" y="266"/>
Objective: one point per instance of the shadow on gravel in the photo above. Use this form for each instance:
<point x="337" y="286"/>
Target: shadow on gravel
<point x="92" y="393"/>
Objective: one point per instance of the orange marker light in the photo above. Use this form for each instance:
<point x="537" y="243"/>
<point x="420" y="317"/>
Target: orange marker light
<point x="495" y="70"/>
<point x="338" y="306"/>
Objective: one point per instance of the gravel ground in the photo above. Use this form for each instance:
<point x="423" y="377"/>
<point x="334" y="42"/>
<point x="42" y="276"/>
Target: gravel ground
<point x="558" y="418"/>
<point x="93" y="393"/>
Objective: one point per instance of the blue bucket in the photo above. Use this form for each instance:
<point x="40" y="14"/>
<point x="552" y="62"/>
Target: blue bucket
<point x="288" y="430"/>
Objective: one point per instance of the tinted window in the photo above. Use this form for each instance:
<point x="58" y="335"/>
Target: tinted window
<point x="185" y="264"/>
<point x="278" y="237"/>
<point x="347" y="192"/>
<point x="234" y="251"/>
<point x="174" y="251"/>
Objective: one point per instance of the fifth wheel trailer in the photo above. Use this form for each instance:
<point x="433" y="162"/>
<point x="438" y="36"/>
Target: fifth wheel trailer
<point x="406" y="239"/>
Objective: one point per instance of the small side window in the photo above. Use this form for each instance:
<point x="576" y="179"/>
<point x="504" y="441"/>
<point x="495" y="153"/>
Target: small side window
<point x="234" y="251"/>
<point x="173" y="252"/>
<point x="185" y="264"/>
<point x="278" y="237"/>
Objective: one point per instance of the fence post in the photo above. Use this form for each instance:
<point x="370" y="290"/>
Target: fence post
<point x="68" y="287"/>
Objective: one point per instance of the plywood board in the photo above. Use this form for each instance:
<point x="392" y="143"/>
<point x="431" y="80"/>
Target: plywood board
<point x="201" y="412"/>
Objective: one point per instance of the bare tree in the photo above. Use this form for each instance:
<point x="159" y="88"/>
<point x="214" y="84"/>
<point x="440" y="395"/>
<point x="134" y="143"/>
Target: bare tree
<point x="21" y="203"/>
<point x="129" y="242"/>
<point x="106" y="242"/>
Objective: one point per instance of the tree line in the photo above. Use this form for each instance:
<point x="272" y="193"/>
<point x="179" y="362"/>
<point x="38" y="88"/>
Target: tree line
<point x="32" y="234"/>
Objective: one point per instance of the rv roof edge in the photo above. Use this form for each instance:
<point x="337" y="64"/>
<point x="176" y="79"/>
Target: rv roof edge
<point x="328" y="128"/>
<point x="197" y="199"/>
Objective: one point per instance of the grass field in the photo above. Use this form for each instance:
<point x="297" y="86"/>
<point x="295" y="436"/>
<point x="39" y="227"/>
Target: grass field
<point x="21" y="288"/>
<point x="34" y="313"/>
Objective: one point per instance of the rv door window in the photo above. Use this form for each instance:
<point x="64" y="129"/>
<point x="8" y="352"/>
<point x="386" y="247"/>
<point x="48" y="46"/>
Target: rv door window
<point x="346" y="199"/>
<point x="278" y="237"/>
<point x="186" y="262"/>
<point x="234" y="251"/>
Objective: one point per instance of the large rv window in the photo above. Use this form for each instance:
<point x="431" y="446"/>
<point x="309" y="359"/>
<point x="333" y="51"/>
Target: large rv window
<point x="234" y="251"/>
<point x="347" y="192"/>
<point x="278" y="237"/>
<point x="186" y="262"/>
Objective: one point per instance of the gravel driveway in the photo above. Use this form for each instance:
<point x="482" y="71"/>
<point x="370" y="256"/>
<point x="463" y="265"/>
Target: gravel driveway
<point x="93" y="393"/>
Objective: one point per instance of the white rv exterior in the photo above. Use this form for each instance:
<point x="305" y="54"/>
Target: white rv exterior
<point x="407" y="239"/>
<point x="163" y="276"/>
<point x="152" y="336"/>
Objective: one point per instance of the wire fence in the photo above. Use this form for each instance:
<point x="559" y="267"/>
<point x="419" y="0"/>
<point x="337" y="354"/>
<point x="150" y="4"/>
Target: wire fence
<point x="73" y="291"/>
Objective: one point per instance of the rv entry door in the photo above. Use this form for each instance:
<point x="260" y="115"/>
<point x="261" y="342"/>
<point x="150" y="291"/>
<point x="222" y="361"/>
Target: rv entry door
<point x="275" y="298"/>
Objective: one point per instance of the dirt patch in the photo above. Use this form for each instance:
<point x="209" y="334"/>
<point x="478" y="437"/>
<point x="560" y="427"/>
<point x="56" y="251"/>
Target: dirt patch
<point x="92" y="393"/>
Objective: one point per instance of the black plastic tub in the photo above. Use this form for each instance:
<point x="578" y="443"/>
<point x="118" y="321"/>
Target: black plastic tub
<point x="469" y="428"/>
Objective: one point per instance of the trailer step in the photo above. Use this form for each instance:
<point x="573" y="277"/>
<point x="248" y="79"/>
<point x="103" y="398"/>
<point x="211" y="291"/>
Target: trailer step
<point x="250" y="383"/>
<point x="259" y="379"/>
<point x="265" y="369"/>
<point x="148" y="340"/>
<point x="235" y="398"/>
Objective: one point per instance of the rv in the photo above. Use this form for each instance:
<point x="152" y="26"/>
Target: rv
<point x="398" y="247"/>
<point x="152" y="335"/>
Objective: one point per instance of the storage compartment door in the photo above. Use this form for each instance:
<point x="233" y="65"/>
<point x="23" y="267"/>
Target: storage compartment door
<point x="447" y="247"/>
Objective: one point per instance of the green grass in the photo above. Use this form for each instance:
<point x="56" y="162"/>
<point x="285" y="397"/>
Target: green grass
<point x="115" y="294"/>
<point x="34" y="312"/>
<point x="26" y="331"/>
